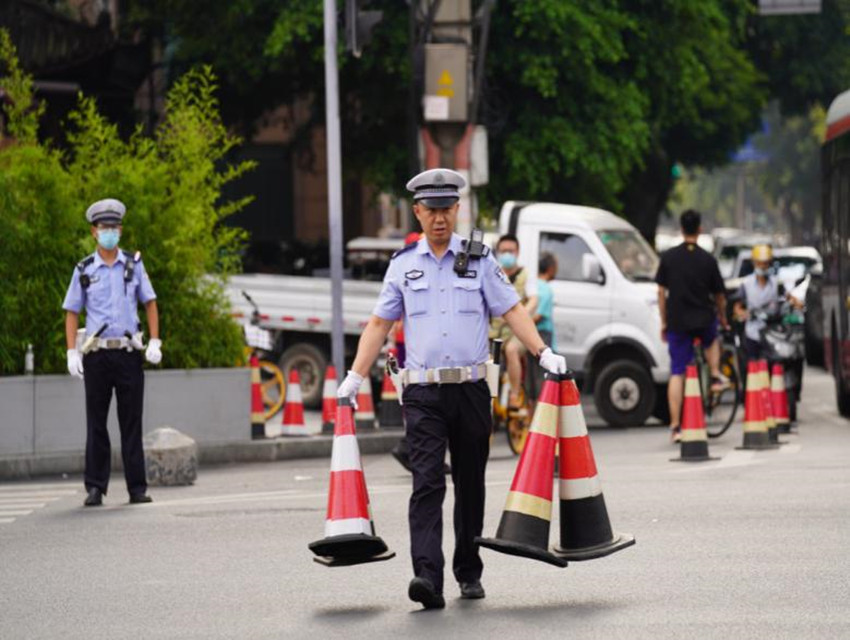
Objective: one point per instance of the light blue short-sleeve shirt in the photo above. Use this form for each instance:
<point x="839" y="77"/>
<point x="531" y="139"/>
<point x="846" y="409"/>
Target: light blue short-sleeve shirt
<point x="107" y="300"/>
<point x="446" y="315"/>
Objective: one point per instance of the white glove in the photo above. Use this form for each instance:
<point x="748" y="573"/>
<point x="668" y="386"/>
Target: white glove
<point x="552" y="362"/>
<point x="349" y="387"/>
<point x="153" y="354"/>
<point x="75" y="363"/>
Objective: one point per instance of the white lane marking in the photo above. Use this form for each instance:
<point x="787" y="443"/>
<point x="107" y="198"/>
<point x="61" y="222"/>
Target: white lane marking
<point x="36" y="494"/>
<point x="22" y="505"/>
<point x="5" y="512"/>
<point x="43" y="501"/>
<point x="34" y="487"/>
<point x="6" y="520"/>
<point x="28" y="498"/>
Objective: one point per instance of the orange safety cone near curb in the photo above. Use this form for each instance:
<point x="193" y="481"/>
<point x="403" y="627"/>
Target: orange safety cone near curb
<point x="779" y="398"/>
<point x="767" y="401"/>
<point x="389" y="412"/>
<point x="755" y="426"/>
<point x="694" y="440"/>
<point x="293" y="411"/>
<point x="524" y="527"/>
<point x="349" y="531"/>
<point x="585" y="528"/>
<point x="364" y="414"/>
<point x="329" y="400"/>
<point x="258" y="420"/>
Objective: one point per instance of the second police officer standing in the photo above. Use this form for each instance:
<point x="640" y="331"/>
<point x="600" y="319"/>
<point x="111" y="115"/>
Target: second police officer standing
<point x="109" y="284"/>
<point x="446" y="308"/>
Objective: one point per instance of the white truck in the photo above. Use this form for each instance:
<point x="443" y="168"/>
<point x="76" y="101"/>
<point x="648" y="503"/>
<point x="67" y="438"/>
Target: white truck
<point x="605" y="308"/>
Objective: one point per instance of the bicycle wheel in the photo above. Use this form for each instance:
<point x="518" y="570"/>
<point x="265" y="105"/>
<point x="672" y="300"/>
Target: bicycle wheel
<point x="518" y="424"/>
<point x="273" y="388"/>
<point x="721" y="405"/>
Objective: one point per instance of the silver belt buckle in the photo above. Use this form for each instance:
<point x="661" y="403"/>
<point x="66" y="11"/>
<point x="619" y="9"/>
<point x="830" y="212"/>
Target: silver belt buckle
<point x="449" y="375"/>
<point x="113" y="343"/>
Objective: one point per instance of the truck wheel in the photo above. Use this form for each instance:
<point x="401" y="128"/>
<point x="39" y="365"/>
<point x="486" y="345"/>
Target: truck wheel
<point x="311" y="363"/>
<point x="624" y="393"/>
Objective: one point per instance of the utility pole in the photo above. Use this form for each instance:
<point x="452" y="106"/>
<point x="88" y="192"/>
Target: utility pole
<point x="334" y="153"/>
<point x="444" y="56"/>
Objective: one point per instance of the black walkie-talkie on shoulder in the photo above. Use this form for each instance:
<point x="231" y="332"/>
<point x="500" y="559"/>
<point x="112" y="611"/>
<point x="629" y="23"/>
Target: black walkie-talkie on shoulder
<point x="473" y="248"/>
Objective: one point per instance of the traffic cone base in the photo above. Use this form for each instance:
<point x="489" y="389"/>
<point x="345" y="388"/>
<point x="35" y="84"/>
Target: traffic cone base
<point x="349" y="532"/>
<point x="524" y="527"/>
<point x="585" y="528"/>
<point x="694" y="437"/>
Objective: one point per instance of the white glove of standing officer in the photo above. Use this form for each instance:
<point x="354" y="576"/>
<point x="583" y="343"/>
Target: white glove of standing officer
<point x="153" y="354"/>
<point x="349" y="387"/>
<point x="75" y="363"/>
<point x="552" y="362"/>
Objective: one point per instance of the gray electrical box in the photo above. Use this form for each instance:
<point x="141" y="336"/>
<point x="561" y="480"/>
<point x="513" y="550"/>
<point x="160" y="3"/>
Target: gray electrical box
<point x="446" y="96"/>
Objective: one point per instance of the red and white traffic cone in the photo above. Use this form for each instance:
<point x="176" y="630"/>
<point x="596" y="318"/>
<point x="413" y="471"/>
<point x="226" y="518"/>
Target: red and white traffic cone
<point x="585" y="528"/>
<point x="755" y="426"/>
<point x="293" y="411"/>
<point x="767" y="401"/>
<point x="779" y="399"/>
<point x="390" y="415"/>
<point x="258" y="420"/>
<point x="349" y="531"/>
<point x="694" y="441"/>
<point x="329" y="400"/>
<point x="524" y="527"/>
<point x="364" y="414"/>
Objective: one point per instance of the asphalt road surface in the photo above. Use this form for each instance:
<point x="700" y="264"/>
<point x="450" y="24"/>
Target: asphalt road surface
<point x="754" y="545"/>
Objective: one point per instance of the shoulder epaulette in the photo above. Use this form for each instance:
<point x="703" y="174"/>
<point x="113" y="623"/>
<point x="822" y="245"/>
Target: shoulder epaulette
<point x="404" y="249"/>
<point x="82" y="264"/>
<point x="135" y="257"/>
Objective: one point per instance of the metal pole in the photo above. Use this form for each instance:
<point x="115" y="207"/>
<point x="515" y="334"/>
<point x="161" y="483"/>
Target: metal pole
<point x="334" y="185"/>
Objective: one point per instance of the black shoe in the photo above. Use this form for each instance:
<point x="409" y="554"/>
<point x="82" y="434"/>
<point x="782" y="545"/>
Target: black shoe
<point x="471" y="590"/>
<point x="94" y="498"/>
<point x="422" y="590"/>
<point x="140" y="498"/>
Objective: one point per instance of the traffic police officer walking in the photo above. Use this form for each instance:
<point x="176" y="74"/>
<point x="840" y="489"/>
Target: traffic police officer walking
<point x="109" y="284"/>
<point x="446" y="295"/>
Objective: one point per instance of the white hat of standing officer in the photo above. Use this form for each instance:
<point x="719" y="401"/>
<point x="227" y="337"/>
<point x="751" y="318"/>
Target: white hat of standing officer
<point x="110" y="211"/>
<point x="437" y="188"/>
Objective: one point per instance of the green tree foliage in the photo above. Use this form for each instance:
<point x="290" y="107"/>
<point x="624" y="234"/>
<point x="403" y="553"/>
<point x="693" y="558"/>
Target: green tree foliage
<point x="171" y="184"/>
<point x="590" y="102"/>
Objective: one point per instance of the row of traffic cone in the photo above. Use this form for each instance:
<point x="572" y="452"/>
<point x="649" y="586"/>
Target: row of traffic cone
<point x="292" y="423"/>
<point x="765" y="406"/>
<point x="765" y="412"/>
<point x="524" y="527"/>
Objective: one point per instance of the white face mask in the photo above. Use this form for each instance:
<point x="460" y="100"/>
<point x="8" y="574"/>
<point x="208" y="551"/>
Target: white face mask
<point x="761" y="272"/>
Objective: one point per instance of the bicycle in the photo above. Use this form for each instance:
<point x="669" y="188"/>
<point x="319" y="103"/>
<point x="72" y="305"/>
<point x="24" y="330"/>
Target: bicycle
<point x="515" y="420"/>
<point x="720" y="405"/>
<point x="258" y="341"/>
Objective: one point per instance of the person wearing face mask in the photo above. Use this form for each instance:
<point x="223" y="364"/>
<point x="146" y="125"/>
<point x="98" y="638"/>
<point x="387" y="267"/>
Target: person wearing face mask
<point x="109" y="284"/>
<point x="759" y="291"/>
<point x="507" y="253"/>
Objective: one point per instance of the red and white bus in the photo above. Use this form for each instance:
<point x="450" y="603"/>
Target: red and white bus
<point x="835" y="167"/>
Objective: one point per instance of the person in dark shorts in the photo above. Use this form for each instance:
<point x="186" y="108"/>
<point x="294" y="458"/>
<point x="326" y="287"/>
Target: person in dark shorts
<point x="691" y="301"/>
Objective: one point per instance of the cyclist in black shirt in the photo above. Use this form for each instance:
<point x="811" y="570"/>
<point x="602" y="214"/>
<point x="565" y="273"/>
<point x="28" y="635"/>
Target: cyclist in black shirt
<point x="691" y="301"/>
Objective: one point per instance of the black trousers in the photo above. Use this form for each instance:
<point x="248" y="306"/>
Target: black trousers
<point x="120" y="370"/>
<point x="457" y="416"/>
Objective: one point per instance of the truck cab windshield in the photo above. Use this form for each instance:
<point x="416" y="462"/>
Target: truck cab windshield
<point x="633" y="255"/>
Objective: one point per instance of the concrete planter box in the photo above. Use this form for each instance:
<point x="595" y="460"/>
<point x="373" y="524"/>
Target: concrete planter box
<point x="45" y="415"/>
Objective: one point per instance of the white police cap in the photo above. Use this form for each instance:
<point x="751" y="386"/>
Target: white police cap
<point x="109" y="210"/>
<point x="437" y="188"/>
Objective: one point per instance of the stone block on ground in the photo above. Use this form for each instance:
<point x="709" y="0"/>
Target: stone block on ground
<point x="171" y="458"/>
